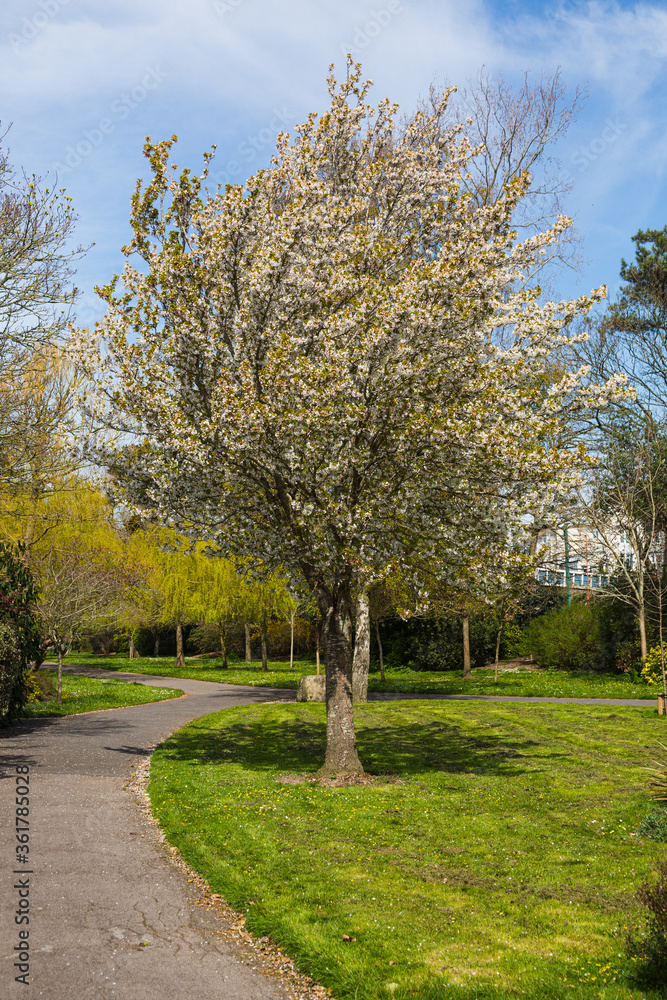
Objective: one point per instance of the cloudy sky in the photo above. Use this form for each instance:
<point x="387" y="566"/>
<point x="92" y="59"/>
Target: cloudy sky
<point x="83" y="82"/>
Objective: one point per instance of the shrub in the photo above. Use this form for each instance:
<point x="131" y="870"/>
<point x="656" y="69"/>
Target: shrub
<point x="10" y="661"/>
<point x="629" y="657"/>
<point x="435" y="642"/>
<point x="567" y="638"/>
<point x="652" y="669"/>
<point x="650" y="943"/>
<point x="513" y="642"/>
<point x="19" y="634"/>
<point x="659" y="780"/>
<point x="654" y="825"/>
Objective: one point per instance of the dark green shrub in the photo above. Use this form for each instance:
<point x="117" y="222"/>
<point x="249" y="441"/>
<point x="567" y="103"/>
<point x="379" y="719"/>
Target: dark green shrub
<point x="649" y="944"/>
<point x="629" y="658"/>
<point x="435" y="642"/>
<point x="567" y="639"/>
<point x="654" y="825"/>
<point x="19" y="633"/>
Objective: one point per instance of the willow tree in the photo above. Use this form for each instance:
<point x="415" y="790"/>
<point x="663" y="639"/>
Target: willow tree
<point x="312" y="363"/>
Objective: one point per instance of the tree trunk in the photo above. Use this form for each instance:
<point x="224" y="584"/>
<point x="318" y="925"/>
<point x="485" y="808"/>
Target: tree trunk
<point x="467" y="672"/>
<point x="265" y="665"/>
<point x="362" y="649"/>
<point x="377" y="636"/>
<point x="223" y="646"/>
<point x="662" y="643"/>
<point x="642" y="630"/>
<point x="132" y="648"/>
<point x="31" y="524"/>
<point x="291" y="642"/>
<point x="317" y="649"/>
<point x="498" y="638"/>
<point x="336" y="610"/>
<point x="248" y="647"/>
<point x="180" y="656"/>
<point x="156" y="644"/>
<point x="60" y="676"/>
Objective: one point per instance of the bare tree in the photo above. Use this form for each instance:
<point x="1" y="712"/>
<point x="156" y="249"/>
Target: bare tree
<point x="36" y="291"/>
<point x="516" y="131"/>
<point x="40" y="428"/>
<point x="79" y="589"/>
<point x="625" y="504"/>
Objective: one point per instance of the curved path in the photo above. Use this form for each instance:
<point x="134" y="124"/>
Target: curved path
<point x="110" y="915"/>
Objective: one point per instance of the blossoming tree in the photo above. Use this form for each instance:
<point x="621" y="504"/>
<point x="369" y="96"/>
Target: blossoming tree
<point x="328" y="368"/>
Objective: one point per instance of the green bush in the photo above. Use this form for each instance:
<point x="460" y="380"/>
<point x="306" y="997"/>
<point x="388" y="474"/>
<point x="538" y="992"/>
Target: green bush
<point x="654" y="825"/>
<point x="650" y="944"/>
<point x="652" y="669"/>
<point x="513" y="642"/>
<point x="19" y="634"/>
<point x="567" y="639"/>
<point x="629" y="658"/>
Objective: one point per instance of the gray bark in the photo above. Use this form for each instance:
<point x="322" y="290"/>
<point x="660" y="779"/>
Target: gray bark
<point x="223" y="646"/>
<point x="336" y="610"/>
<point x="265" y="665"/>
<point x="180" y="653"/>
<point x="467" y="672"/>
<point x="60" y="676"/>
<point x="362" y="648"/>
<point x="248" y="646"/>
<point x="380" y="650"/>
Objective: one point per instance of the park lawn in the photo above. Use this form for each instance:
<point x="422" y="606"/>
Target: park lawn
<point x="494" y="854"/>
<point x="90" y="694"/>
<point x="521" y="683"/>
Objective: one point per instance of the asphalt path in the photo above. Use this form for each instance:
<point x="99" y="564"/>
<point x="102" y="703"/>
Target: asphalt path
<point x="110" y="915"/>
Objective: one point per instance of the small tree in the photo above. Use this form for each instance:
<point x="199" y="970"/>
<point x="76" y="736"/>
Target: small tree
<point x="626" y="500"/>
<point x="217" y="596"/>
<point x="80" y="589"/>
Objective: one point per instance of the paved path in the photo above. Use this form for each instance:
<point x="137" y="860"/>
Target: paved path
<point x="628" y="702"/>
<point x="110" y="915"/>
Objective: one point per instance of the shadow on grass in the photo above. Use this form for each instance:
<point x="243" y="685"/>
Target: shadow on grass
<point x="400" y="748"/>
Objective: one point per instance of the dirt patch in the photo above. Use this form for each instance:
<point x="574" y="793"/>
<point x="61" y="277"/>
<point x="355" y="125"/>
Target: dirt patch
<point x="340" y="780"/>
<point x="519" y="663"/>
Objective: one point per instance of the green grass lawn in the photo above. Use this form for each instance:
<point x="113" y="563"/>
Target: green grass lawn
<point x="493" y="856"/>
<point x="524" y="683"/>
<point x="88" y="694"/>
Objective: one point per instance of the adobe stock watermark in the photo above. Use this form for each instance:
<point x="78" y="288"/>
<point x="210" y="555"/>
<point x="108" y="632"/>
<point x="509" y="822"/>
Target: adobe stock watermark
<point x="225" y="7"/>
<point x="120" y="109"/>
<point x="249" y="149"/>
<point x="565" y="8"/>
<point x="31" y="26"/>
<point x="366" y="33"/>
<point x="583" y="156"/>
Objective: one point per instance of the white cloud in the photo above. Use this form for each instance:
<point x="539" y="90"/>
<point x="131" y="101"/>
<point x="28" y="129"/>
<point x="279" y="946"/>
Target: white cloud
<point x="236" y="72"/>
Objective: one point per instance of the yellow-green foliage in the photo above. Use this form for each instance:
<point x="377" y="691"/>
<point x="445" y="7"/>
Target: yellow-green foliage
<point x="33" y="689"/>
<point x="652" y="669"/>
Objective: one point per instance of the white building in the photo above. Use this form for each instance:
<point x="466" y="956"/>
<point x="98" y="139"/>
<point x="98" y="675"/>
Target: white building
<point x="590" y="561"/>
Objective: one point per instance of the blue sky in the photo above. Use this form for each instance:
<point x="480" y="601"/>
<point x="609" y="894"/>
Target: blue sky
<point x="83" y="82"/>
